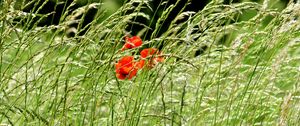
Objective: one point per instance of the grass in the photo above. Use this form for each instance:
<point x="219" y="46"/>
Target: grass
<point x="248" y="75"/>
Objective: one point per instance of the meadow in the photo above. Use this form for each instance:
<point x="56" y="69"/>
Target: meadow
<point x="248" y="73"/>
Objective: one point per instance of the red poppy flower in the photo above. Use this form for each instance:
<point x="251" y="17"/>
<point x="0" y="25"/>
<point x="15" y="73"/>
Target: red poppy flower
<point x="148" y="53"/>
<point x="140" y="64"/>
<point x="132" y="42"/>
<point x="126" y="68"/>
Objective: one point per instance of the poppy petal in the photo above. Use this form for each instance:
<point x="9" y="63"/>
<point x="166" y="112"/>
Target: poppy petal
<point x="140" y="64"/>
<point x="132" y="73"/>
<point x="148" y="52"/>
<point x="121" y="76"/>
<point x="126" y="60"/>
<point x="132" y="42"/>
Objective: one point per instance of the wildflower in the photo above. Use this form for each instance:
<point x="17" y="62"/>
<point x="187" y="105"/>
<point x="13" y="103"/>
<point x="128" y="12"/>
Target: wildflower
<point x="132" y="42"/>
<point x="140" y="64"/>
<point x="148" y="52"/>
<point x="126" y="68"/>
<point x="153" y="60"/>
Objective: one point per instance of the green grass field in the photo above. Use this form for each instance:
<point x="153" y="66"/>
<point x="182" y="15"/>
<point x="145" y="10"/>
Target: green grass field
<point x="248" y="75"/>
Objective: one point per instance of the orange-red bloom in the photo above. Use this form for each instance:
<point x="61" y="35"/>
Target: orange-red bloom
<point x="151" y="53"/>
<point x="132" y="42"/>
<point x="140" y="64"/>
<point x="126" y="68"/>
<point x="148" y="52"/>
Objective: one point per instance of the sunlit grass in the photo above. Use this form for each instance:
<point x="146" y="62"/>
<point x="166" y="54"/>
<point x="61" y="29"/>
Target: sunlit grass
<point x="249" y="78"/>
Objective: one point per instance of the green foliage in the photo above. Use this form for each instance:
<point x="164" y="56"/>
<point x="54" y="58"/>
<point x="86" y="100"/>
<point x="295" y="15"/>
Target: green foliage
<point x="248" y="75"/>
